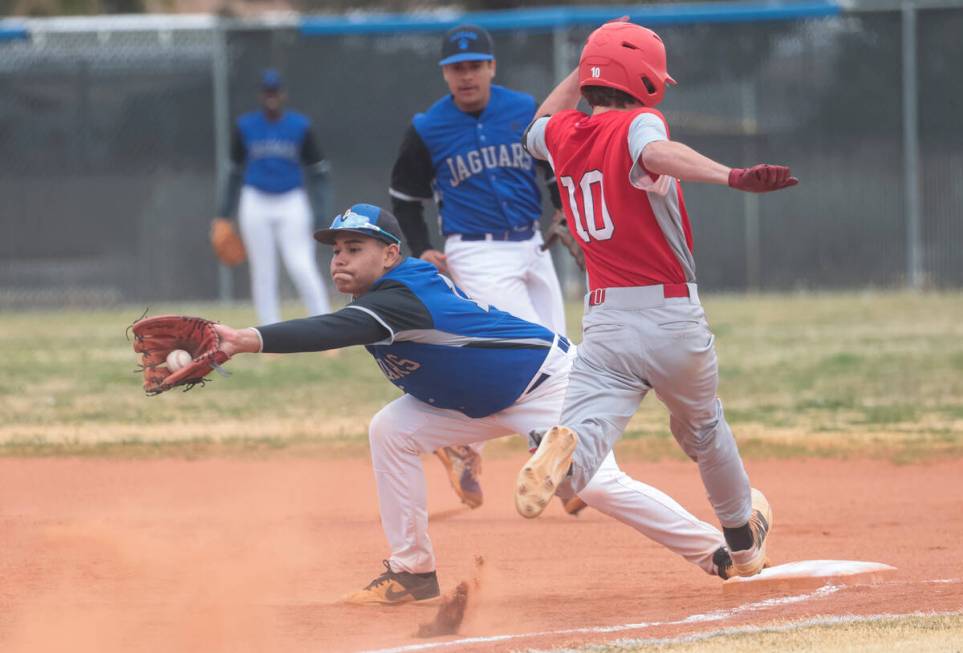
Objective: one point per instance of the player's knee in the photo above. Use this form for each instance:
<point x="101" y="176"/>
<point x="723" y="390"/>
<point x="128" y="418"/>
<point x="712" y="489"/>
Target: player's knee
<point x="384" y="433"/>
<point x="380" y="430"/>
<point x="697" y="440"/>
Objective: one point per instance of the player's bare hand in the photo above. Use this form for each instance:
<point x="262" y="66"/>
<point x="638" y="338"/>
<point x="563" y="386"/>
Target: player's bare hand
<point x="436" y="258"/>
<point x="237" y="341"/>
<point x="761" y="178"/>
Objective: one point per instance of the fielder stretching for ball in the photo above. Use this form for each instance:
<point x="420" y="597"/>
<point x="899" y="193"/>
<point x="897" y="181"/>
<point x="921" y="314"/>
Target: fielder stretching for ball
<point x="469" y="372"/>
<point x="644" y="328"/>
<point x="465" y="152"/>
<point x="268" y="149"/>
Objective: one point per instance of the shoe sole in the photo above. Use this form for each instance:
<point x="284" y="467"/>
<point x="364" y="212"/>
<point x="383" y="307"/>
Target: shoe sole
<point x="541" y="475"/>
<point x="351" y="600"/>
<point x="761" y="505"/>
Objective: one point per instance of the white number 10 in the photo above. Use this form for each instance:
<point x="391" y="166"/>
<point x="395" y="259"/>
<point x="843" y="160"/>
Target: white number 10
<point x="591" y="221"/>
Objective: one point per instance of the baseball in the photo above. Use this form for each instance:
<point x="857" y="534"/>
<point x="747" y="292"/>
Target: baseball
<point x="178" y="359"/>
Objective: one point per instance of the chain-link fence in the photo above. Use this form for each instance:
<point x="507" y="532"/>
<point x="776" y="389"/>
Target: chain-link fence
<point x="113" y="140"/>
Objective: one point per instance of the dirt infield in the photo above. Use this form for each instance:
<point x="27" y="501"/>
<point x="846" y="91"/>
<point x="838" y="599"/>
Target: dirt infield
<point x="252" y="555"/>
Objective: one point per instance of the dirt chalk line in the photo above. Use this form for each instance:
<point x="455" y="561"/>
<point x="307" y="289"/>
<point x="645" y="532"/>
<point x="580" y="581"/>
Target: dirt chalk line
<point x="716" y="615"/>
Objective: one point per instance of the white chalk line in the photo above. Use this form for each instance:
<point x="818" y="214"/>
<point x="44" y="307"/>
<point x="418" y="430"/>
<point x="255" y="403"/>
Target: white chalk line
<point x="716" y="615"/>
<point x="831" y="620"/>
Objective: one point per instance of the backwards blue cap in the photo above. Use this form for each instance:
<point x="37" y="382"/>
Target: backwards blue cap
<point x="365" y="219"/>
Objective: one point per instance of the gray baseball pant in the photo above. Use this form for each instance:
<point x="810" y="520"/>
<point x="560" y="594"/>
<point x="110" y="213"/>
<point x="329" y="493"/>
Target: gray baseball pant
<point x="637" y="340"/>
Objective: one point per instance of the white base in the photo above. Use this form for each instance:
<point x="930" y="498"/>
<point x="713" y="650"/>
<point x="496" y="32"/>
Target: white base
<point x="809" y="572"/>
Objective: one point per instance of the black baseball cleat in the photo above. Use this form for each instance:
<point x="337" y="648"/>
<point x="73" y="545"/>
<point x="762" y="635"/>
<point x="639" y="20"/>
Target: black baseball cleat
<point x="392" y="588"/>
<point x="723" y="562"/>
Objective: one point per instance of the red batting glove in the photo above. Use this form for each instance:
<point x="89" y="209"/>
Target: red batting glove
<point x="761" y="178"/>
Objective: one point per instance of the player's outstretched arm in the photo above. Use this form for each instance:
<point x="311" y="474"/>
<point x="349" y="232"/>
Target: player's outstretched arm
<point x="238" y="341"/>
<point x="681" y="161"/>
<point x="563" y="97"/>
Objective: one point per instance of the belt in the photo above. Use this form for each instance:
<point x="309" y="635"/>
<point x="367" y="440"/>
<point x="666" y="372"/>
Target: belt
<point x="511" y="235"/>
<point x="666" y="291"/>
<point x="564" y="345"/>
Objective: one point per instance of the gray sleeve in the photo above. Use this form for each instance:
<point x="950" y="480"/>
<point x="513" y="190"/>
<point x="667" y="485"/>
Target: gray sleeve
<point x="534" y="140"/>
<point x="645" y="128"/>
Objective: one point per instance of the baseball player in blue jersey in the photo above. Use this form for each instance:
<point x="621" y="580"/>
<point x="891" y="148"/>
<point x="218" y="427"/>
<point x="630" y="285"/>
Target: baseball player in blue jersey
<point x="469" y="372"/>
<point x="267" y="189"/>
<point x="465" y="152"/>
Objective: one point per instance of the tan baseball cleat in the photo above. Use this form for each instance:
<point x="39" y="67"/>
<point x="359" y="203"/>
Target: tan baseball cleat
<point x="392" y="588"/>
<point x="463" y="466"/>
<point x="541" y="475"/>
<point x="751" y="561"/>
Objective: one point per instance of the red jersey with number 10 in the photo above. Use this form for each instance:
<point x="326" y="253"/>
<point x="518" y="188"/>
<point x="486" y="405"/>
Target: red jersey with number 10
<point x="630" y="236"/>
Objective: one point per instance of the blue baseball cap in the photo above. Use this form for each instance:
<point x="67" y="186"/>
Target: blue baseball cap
<point x="365" y="219"/>
<point x="466" y="43"/>
<point x="270" y="80"/>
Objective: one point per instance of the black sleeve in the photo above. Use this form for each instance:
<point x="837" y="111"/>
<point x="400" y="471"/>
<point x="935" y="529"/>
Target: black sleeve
<point x="413" y="172"/>
<point x="411" y="218"/>
<point x="238" y="148"/>
<point x="411" y="179"/>
<point x="550" y="184"/>
<point x="316" y="180"/>
<point x="311" y="154"/>
<point x="342" y="328"/>
<point x="231" y="191"/>
<point x="396" y="307"/>
<point x="371" y="318"/>
<point x="231" y="194"/>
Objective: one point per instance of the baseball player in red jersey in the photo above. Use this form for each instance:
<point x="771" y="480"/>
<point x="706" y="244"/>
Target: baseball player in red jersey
<point x="644" y="328"/>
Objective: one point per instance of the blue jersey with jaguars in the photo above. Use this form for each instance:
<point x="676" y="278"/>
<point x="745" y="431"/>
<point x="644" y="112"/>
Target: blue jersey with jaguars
<point x="273" y="150"/>
<point x="484" y="178"/>
<point x="450" y="351"/>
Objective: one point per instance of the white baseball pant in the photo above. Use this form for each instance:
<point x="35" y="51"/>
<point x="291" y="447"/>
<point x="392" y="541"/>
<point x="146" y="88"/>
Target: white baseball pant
<point x="637" y="340"/>
<point x="271" y="222"/>
<point x="406" y="428"/>
<point x="516" y="277"/>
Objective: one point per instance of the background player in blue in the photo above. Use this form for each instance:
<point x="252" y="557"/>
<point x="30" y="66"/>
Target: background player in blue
<point x="465" y="152"/>
<point x="469" y="372"/>
<point x="268" y="149"/>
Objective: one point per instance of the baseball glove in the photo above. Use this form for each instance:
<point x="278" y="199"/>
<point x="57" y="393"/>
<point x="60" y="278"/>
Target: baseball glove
<point x="559" y="232"/>
<point x="226" y="242"/>
<point x="156" y="337"/>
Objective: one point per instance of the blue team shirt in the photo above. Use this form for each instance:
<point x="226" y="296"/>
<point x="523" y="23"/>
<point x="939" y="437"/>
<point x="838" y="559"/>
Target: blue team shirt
<point x="484" y="178"/>
<point x="273" y="150"/>
<point x="451" y="352"/>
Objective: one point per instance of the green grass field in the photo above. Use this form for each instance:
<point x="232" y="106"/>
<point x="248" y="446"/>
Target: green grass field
<point x="888" y="634"/>
<point x="868" y="374"/>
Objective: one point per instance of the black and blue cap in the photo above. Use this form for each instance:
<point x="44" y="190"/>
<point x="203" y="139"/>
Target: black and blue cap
<point x="270" y="80"/>
<point x="466" y="43"/>
<point x="365" y="219"/>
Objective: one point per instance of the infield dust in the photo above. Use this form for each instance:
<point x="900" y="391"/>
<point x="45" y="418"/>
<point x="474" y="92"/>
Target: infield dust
<point x="253" y="555"/>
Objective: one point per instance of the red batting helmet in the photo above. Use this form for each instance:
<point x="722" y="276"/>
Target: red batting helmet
<point x="626" y="57"/>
